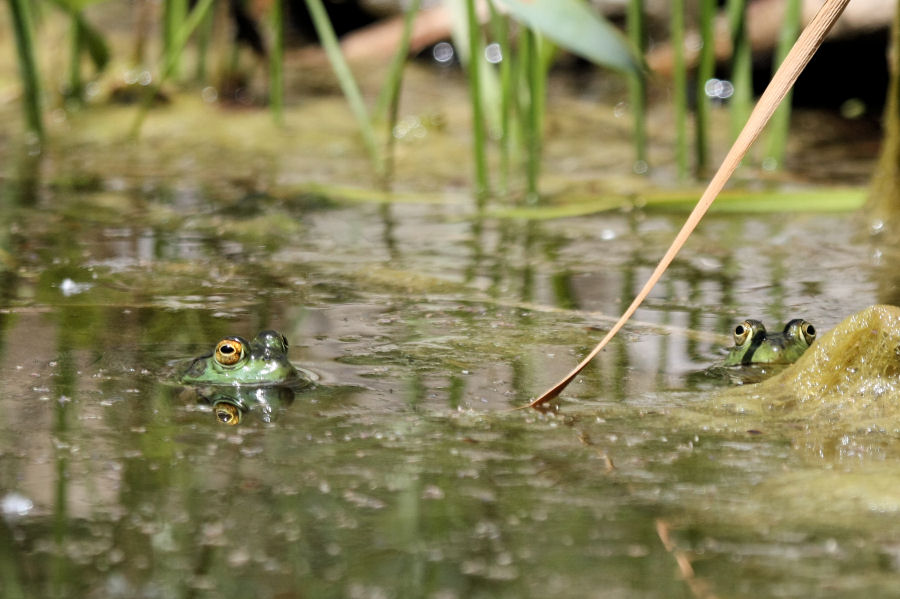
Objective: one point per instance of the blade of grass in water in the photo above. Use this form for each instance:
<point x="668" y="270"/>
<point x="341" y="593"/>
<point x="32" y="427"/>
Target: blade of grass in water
<point x="479" y="139"/>
<point x="204" y="34"/>
<point x="704" y="73"/>
<point x="636" y="84"/>
<point x="276" y="63"/>
<point x="776" y="142"/>
<point x="741" y="66"/>
<point x="500" y="31"/>
<point x="76" y="87"/>
<point x="679" y="84"/>
<point x="391" y="87"/>
<point x="345" y="78"/>
<point x="539" y="55"/>
<point x="19" y="9"/>
<point x="175" y="12"/>
<point x="188" y="26"/>
<point x="390" y="90"/>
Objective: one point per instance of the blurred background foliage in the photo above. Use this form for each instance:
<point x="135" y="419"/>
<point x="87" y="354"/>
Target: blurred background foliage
<point x="687" y="55"/>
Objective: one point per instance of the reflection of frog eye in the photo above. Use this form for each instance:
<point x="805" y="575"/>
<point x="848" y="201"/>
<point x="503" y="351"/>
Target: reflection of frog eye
<point x="227" y="413"/>
<point x="228" y="352"/>
<point x="742" y="332"/>
<point x="809" y="332"/>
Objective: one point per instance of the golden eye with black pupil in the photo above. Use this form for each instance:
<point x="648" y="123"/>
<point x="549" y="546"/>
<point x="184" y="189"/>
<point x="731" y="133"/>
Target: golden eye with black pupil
<point x="809" y="332"/>
<point x="228" y="352"/>
<point x="227" y="413"/>
<point x="742" y="333"/>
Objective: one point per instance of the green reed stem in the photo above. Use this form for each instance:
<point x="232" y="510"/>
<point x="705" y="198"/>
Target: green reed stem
<point x="391" y="88"/>
<point x="276" y="63"/>
<point x="741" y="66"/>
<point x="704" y="73"/>
<point x="479" y="137"/>
<point x="170" y="60"/>
<point x="679" y="84"/>
<point x="204" y="36"/>
<point x="173" y="18"/>
<point x="345" y="78"/>
<point x="76" y="85"/>
<point x="387" y="106"/>
<point x="776" y="141"/>
<point x="636" y="84"/>
<point x="500" y="30"/>
<point x="536" y="80"/>
<point x="27" y="65"/>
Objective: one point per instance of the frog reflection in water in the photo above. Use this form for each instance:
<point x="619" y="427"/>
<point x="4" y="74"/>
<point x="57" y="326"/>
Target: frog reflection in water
<point x="230" y="403"/>
<point x="236" y="361"/>
<point x="753" y="345"/>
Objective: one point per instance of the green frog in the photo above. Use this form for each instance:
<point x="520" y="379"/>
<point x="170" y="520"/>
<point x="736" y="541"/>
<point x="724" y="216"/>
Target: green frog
<point x="236" y="361"/>
<point x="753" y="345"/>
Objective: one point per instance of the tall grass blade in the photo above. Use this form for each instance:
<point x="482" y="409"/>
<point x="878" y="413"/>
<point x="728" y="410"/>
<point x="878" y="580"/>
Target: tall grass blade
<point x="75" y="91"/>
<point x="679" y="85"/>
<point x="391" y="87"/>
<point x="276" y="63"/>
<point x="345" y="78"/>
<point x="741" y="66"/>
<point x="636" y="84"/>
<point x="19" y="9"/>
<point x="388" y="103"/>
<point x="174" y="14"/>
<point x="704" y="73"/>
<point x="83" y="38"/>
<point x="500" y="32"/>
<point x="539" y="56"/>
<point x="203" y="39"/>
<point x="479" y="137"/>
<point x="776" y="142"/>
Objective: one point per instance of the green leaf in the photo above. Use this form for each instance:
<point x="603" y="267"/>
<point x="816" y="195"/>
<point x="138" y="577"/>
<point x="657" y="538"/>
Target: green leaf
<point x="573" y="25"/>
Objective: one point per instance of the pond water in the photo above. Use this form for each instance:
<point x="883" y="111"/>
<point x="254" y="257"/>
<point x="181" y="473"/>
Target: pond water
<point x="405" y="471"/>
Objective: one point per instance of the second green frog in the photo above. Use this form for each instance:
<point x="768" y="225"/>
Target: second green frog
<point x="753" y="345"/>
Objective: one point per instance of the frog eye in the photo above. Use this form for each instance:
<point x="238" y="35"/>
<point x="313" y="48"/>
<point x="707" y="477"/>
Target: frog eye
<point x="742" y="332"/>
<point x="229" y="351"/>
<point x="226" y="413"/>
<point x="809" y="332"/>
